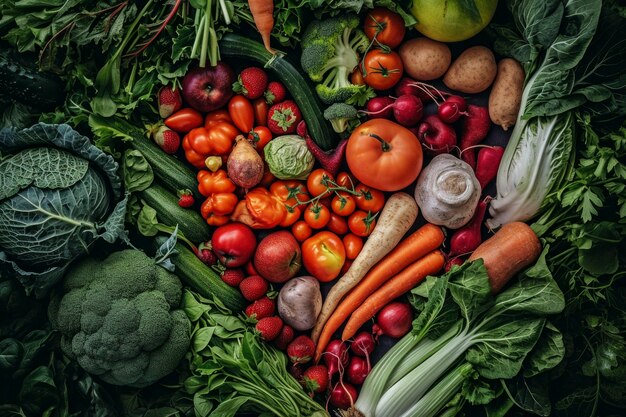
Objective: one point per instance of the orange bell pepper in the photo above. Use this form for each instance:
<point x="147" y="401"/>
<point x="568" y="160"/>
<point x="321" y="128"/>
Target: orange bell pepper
<point x="217" y="208"/>
<point x="202" y="142"/>
<point x="214" y="182"/>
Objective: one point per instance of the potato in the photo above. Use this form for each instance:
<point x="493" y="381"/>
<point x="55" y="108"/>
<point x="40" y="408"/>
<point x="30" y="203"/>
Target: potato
<point x="506" y="94"/>
<point x="425" y="59"/>
<point x="300" y="302"/>
<point x="473" y="71"/>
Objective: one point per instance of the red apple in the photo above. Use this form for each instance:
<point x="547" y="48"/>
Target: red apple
<point x="233" y="244"/>
<point x="207" y="89"/>
<point x="278" y="257"/>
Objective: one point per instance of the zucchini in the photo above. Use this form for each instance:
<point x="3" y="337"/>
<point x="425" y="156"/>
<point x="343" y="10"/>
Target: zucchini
<point x="21" y="81"/>
<point x="201" y="278"/>
<point x="171" y="172"/>
<point x="190" y="223"/>
<point x="237" y="46"/>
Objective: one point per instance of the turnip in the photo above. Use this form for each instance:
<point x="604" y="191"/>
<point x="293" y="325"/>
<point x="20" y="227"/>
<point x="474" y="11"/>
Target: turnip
<point x="487" y="164"/>
<point x="407" y="110"/>
<point x="468" y="238"/>
<point x="436" y="136"/>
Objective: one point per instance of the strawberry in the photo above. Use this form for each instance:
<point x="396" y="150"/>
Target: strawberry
<point x="169" y="101"/>
<point x="261" y="308"/>
<point x="251" y="82"/>
<point x="233" y="277"/>
<point x="205" y="253"/>
<point x="315" y="379"/>
<point x="283" y="118"/>
<point x="301" y="349"/>
<point x="253" y="287"/>
<point x="284" y="337"/>
<point x="185" y="198"/>
<point x="275" y="93"/>
<point x="269" y="327"/>
<point x="167" y="139"/>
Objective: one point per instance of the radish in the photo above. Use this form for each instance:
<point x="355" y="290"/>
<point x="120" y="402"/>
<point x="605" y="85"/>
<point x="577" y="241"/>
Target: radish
<point x="487" y="164"/>
<point x="437" y="136"/>
<point x="452" y="109"/>
<point x="378" y="108"/>
<point x="467" y="238"/>
<point x="452" y="262"/>
<point x="407" y="110"/>
<point x="358" y="369"/>
<point x="394" y="320"/>
<point x="336" y="356"/>
<point x="363" y="344"/>
<point x="475" y="128"/>
<point x="343" y="395"/>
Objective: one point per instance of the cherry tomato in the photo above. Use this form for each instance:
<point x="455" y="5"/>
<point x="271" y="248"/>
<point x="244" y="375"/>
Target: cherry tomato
<point x="353" y="245"/>
<point x="383" y="69"/>
<point x="215" y="116"/>
<point x="184" y="120"/>
<point x="233" y="244"/>
<point x="316" y="215"/>
<point x="337" y="224"/>
<point x="261" y="108"/>
<point x="318" y="182"/>
<point x="323" y="255"/>
<point x="386" y="25"/>
<point x="361" y="223"/>
<point x="242" y="112"/>
<point x="346" y="180"/>
<point x="369" y="199"/>
<point x="260" y="136"/>
<point x="301" y="230"/>
<point x="343" y="204"/>
<point x="356" y="77"/>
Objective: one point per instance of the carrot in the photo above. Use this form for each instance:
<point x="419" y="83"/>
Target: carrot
<point x="396" y="218"/>
<point x="416" y="245"/>
<point x="513" y="247"/>
<point x="263" y="15"/>
<point x="392" y="289"/>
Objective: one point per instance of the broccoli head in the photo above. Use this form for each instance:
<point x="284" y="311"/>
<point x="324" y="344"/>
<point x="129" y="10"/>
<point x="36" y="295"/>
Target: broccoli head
<point x="330" y="52"/>
<point x="343" y="117"/>
<point x="119" y="318"/>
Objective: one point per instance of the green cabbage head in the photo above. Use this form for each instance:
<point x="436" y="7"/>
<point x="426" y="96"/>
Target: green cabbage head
<point x="58" y="195"/>
<point x="288" y="158"/>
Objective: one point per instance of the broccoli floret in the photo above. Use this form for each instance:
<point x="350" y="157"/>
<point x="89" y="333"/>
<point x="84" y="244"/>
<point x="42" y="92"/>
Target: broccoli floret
<point x="330" y="52"/>
<point x="119" y="318"/>
<point x="343" y="117"/>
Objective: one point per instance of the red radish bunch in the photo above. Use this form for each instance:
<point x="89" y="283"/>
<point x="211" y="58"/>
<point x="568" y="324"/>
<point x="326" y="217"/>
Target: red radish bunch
<point x="467" y="238"/>
<point x="379" y="108"/>
<point x="363" y="344"/>
<point x="436" y="136"/>
<point x="336" y="356"/>
<point x="487" y="164"/>
<point x="394" y="320"/>
<point x="456" y="261"/>
<point x="343" y="395"/>
<point x="407" y="110"/>
<point x="358" y="369"/>
<point x="452" y="109"/>
<point x="475" y="128"/>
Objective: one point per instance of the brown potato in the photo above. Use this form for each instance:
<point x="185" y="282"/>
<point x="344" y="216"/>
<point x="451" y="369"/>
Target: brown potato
<point x="506" y="94"/>
<point x="425" y="59"/>
<point x="473" y="71"/>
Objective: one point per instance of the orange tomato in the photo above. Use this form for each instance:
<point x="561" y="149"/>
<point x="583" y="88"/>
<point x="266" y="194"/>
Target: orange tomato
<point x="323" y="255"/>
<point x="353" y="245"/>
<point x="316" y="215"/>
<point x="361" y="223"/>
<point x="301" y="230"/>
<point x="318" y="182"/>
<point x="343" y="204"/>
<point x="369" y="199"/>
<point x="382" y="69"/>
<point x="384" y="155"/>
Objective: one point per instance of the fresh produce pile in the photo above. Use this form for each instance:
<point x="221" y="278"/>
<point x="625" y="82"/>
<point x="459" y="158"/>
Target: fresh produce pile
<point x="353" y="208"/>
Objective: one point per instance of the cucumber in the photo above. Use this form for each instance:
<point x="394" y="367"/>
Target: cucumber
<point x="190" y="222"/>
<point x="171" y="172"/>
<point x="21" y="81"/>
<point x="201" y="278"/>
<point x="240" y="47"/>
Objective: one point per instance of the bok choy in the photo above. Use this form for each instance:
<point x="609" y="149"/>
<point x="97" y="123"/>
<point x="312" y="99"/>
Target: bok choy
<point x="574" y="65"/>
<point x="464" y="341"/>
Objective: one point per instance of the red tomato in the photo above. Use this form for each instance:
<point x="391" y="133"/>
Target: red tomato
<point x="316" y="215"/>
<point x="382" y="69"/>
<point x="337" y="224"/>
<point x="261" y="108"/>
<point x="184" y="120"/>
<point x="242" y="112"/>
<point x="343" y="204"/>
<point x="319" y="181"/>
<point x="323" y="255"/>
<point x="346" y="180"/>
<point x="260" y="136"/>
<point x="369" y="199"/>
<point x="353" y="245"/>
<point x="361" y="223"/>
<point x="384" y="155"/>
<point x="386" y="25"/>
<point x="301" y="230"/>
<point x="233" y="244"/>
